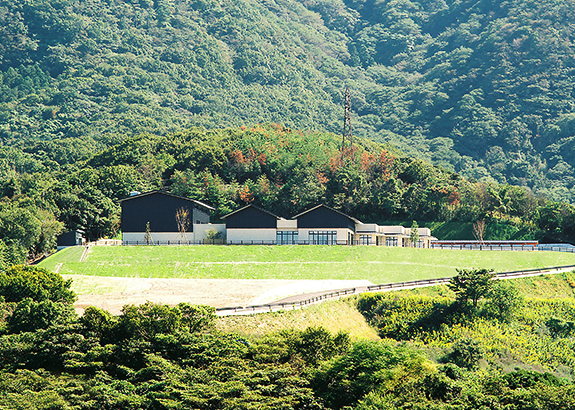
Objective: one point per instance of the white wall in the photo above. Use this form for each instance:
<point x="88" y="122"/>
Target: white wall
<point x="392" y="230"/>
<point x="361" y="228"/>
<point x="139" y="238"/>
<point x="173" y="238"/>
<point x="287" y="224"/>
<point x="237" y="236"/>
<point x="201" y="231"/>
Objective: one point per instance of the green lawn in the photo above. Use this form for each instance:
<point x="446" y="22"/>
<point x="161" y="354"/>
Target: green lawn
<point x="377" y="264"/>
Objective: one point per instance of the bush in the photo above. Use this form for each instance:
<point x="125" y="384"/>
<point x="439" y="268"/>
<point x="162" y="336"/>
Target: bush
<point x="367" y="367"/>
<point x="471" y="285"/>
<point x="29" y="315"/>
<point x="466" y="353"/>
<point x="20" y="282"/>
<point x="503" y="302"/>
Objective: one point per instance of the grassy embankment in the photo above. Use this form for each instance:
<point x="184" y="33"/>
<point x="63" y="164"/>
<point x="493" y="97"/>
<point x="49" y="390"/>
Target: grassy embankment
<point x="546" y="296"/>
<point x="376" y="264"/>
<point x="313" y="262"/>
<point x="335" y="316"/>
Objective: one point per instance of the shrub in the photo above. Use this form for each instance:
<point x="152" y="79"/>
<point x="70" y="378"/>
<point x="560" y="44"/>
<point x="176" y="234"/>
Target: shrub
<point x="466" y="353"/>
<point x="503" y="302"/>
<point x="21" y="282"/>
<point x="471" y="285"/>
<point x="30" y="315"/>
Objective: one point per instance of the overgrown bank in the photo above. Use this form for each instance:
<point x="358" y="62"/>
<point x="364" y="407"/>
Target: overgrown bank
<point x="161" y="357"/>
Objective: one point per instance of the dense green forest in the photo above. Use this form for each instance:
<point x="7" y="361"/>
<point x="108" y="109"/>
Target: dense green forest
<point x="503" y="352"/>
<point x="49" y="186"/>
<point x="480" y="87"/>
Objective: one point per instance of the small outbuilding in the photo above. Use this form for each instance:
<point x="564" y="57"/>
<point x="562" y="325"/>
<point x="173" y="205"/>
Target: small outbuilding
<point x="71" y="238"/>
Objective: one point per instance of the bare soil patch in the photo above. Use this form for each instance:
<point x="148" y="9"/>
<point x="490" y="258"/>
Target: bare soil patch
<point x="112" y="293"/>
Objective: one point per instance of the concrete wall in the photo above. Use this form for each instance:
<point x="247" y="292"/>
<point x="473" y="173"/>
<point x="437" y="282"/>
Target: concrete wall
<point x="173" y="238"/>
<point x="246" y="236"/>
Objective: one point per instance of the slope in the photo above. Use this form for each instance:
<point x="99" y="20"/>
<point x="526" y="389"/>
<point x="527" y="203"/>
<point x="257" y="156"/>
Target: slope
<point x="482" y="88"/>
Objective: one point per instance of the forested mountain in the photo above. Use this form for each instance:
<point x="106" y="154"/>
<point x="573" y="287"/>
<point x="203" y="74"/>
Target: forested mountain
<point x="480" y="87"/>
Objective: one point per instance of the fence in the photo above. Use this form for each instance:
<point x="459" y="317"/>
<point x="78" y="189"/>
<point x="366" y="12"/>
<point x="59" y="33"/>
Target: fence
<point x="486" y="245"/>
<point x="175" y="243"/>
<point x="279" y="306"/>
<point x="556" y="247"/>
<point x="254" y="242"/>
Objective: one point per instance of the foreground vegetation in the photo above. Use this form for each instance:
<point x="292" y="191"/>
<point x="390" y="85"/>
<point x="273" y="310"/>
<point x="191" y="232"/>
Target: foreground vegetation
<point x="376" y="264"/>
<point x="437" y="353"/>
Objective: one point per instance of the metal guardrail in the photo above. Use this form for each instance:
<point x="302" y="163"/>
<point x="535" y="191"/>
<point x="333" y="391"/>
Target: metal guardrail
<point x="275" y="307"/>
<point x="255" y="242"/>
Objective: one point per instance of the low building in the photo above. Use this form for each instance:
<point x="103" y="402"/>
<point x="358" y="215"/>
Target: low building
<point x="320" y="225"/>
<point x="151" y="218"/>
<point x="251" y="224"/>
<point x="70" y="238"/>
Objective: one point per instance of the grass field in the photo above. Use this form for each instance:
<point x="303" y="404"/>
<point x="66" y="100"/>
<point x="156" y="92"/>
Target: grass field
<point x="376" y="264"/>
<point x="335" y="316"/>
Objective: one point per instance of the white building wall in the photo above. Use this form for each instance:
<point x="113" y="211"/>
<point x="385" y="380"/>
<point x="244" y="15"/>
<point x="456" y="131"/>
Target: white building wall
<point x="247" y="236"/>
<point x="201" y="231"/>
<point x="392" y="230"/>
<point x="157" y="238"/>
<point x="287" y="224"/>
<point x="366" y="228"/>
<point x="198" y="235"/>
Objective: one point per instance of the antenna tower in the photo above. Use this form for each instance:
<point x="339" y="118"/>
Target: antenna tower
<point x="347" y="140"/>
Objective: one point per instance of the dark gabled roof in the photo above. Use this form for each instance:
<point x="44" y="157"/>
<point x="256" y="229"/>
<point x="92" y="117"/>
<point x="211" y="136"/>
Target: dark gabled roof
<point x="331" y="209"/>
<point x="198" y="203"/>
<point x="250" y="206"/>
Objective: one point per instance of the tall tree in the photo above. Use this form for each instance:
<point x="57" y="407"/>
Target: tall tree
<point x="471" y="285"/>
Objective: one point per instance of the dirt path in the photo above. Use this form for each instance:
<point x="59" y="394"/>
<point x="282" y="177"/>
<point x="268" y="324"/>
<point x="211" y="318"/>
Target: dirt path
<point x="111" y="293"/>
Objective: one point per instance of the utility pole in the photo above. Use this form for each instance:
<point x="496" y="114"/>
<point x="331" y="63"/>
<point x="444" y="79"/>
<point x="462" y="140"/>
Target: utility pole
<point x="347" y="136"/>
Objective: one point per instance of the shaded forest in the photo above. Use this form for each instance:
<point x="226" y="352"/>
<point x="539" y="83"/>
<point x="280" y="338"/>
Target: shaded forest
<point x="479" y="87"/>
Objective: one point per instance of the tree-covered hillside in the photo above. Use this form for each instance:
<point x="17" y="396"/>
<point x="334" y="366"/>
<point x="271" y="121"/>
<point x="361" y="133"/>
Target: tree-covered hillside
<point x="47" y="187"/>
<point x="480" y="87"/>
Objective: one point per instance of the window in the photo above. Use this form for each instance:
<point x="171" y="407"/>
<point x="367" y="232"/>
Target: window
<point x="392" y="241"/>
<point x="323" y="237"/>
<point x="365" y="239"/>
<point x="286" y="237"/>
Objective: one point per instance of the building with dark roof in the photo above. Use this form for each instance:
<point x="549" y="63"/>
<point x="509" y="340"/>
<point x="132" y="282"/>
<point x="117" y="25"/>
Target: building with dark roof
<point x="150" y="218"/>
<point x="320" y="225"/>
<point x="70" y="238"/>
<point x="251" y="224"/>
